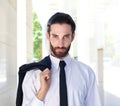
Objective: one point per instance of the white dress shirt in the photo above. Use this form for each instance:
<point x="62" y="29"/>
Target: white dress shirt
<point x="81" y="85"/>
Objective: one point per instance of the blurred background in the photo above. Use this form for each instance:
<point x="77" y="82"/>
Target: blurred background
<point x="97" y="42"/>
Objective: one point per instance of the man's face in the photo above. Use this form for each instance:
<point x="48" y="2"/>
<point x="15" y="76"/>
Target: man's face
<point x="60" y="39"/>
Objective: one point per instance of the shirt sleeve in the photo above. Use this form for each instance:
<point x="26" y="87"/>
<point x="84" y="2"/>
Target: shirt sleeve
<point x="29" y="92"/>
<point x="92" y="98"/>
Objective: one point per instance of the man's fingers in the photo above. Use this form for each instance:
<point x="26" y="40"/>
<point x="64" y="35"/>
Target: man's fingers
<point x="46" y="74"/>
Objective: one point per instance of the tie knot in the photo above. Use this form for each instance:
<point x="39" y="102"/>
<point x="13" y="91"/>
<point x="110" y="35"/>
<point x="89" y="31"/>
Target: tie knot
<point x="62" y="64"/>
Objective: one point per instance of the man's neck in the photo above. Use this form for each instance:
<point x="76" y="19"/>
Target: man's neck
<point x="61" y="58"/>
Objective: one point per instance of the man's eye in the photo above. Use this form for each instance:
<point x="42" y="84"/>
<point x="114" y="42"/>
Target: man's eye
<point x="55" y="36"/>
<point x="66" y="36"/>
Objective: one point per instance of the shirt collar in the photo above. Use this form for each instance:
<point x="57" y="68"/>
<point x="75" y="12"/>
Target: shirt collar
<point x="55" y="61"/>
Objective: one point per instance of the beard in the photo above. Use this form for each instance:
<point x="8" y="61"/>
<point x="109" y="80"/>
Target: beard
<point x="59" y="52"/>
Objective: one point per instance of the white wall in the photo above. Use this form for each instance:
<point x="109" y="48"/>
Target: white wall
<point x="8" y="57"/>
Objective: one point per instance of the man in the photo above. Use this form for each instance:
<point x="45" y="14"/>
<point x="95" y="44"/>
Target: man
<point x="42" y="88"/>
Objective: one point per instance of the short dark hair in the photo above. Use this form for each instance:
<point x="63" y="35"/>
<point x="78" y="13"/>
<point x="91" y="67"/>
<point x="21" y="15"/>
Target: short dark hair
<point x="60" y="17"/>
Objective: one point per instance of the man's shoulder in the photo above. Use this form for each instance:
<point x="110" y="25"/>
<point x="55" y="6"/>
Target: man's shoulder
<point x="28" y="66"/>
<point x="32" y="73"/>
<point x="79" y="63"/>
<point x="42" y="64"/>
<point x="82" y="66"/>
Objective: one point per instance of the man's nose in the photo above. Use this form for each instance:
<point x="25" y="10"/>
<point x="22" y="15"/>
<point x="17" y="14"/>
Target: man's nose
<point x="61" y="42"/>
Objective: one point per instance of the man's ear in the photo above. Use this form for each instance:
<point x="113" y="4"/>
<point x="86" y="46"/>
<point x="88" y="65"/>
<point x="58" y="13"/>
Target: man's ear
<point x="47" y="36"/>
<point x="73" y="36"/>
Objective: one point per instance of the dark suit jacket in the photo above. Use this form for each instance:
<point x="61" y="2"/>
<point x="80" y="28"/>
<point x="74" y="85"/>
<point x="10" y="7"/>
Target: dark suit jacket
<point x="44" y="63"/>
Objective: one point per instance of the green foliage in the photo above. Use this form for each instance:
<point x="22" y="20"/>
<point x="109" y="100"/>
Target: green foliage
<point x="37" y="38"/>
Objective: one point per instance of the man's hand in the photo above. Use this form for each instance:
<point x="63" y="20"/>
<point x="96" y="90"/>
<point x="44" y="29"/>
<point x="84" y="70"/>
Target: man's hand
<point x="45" y="79"/>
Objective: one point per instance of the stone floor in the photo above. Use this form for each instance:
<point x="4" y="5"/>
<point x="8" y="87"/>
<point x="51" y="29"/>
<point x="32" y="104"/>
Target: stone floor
<point x="111" y="85"/>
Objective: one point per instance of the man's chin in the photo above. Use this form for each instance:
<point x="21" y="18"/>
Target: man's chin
<point x="60" y="55"/>
<point x="59" y="51"/>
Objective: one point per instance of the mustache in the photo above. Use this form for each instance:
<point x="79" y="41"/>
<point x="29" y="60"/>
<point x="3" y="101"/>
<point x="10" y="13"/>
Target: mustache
<point x="60" y="47"/>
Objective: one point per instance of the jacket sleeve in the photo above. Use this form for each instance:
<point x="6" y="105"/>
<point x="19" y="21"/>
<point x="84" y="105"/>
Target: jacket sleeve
<point x="21" y="74"/>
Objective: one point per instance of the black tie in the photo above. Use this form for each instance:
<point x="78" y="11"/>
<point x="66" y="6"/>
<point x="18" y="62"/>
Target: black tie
<point x="63" y="87"/>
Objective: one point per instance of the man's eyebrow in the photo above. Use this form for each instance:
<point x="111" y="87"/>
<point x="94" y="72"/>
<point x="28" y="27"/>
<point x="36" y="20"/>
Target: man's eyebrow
<point x="54" y="34"/>
<point x="64" y="35"/>
<point x="67" y="34"/>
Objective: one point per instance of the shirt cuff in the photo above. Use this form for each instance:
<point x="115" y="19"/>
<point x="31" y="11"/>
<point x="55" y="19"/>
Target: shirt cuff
<point x="37" y="102"/>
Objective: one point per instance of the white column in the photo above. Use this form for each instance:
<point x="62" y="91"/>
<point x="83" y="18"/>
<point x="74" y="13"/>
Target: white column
<point x="29" y="30"/>
<point x="24" y="32"/>
<point x="99" y="37"/>
<point x="21" y="32"/>
<point x="8" y="57"/>
<point x="100" y="73"/>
